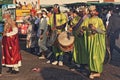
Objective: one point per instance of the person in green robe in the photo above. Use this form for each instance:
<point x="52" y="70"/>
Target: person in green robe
<point x="95" y="31"/>
<point x="57" y="22"/>
<point x="80" y="55"/>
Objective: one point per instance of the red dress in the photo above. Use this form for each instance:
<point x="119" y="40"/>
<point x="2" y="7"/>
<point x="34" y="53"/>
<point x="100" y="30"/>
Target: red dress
<point x="11" y="55"/>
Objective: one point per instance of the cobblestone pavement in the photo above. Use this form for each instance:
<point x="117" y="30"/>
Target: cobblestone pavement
<point x="50" y="72"/>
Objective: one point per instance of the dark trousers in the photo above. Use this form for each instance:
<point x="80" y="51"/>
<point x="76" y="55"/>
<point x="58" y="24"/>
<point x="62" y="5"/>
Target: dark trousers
<point x="112" y="42"/>
<point x="68" y="58"/>
<point x="52" y="56"/>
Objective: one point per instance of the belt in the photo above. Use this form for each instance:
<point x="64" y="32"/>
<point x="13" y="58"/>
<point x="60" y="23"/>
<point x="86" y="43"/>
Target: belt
<point x="61" y="26"/>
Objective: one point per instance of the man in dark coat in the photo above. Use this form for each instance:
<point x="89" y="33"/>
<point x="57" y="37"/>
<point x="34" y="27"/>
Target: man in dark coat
<point x="114" y="28"/>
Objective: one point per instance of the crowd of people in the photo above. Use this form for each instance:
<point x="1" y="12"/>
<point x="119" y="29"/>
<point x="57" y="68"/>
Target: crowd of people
<point x="44" y="29"/>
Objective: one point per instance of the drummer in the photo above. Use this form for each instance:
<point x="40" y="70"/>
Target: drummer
<point x="57" y="22"/>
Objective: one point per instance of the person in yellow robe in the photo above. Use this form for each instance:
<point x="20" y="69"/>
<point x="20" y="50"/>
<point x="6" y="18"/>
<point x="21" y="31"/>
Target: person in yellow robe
<point x="96" y="42"/>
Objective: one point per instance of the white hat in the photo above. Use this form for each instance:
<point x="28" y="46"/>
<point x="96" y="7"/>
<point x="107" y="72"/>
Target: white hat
<point x="45" y="10"/>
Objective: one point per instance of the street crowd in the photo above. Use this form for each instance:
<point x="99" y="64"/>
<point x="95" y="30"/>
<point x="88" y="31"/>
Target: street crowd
<point x="80" y="32"/>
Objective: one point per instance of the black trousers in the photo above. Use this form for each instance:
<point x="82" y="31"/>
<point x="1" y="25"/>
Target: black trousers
<point x="113" y="36"/>
<point x="112" y="42"/>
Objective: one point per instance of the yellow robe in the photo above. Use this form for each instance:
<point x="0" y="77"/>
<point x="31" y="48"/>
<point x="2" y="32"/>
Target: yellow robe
<point x="96" y="44"/>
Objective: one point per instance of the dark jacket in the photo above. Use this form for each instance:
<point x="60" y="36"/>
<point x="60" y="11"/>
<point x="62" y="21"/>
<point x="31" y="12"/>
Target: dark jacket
<point x="114" y="24"/>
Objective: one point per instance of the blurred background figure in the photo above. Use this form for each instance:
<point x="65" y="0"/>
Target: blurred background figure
<point x="42" y="41"/>
<point x="108" y="17"/>
<point x="34" y="39"/>
<point x="113" y="29"/>
<point x="29" y="34"/>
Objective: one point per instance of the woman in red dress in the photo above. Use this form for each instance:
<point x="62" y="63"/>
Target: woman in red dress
<point x="11" y="56"/>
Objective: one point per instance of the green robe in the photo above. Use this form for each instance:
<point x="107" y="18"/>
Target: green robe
<point x="96" y="44"/>
<point x="80" y="55"/>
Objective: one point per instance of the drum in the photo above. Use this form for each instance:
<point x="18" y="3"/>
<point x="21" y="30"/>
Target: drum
<point x="66" y="41"/>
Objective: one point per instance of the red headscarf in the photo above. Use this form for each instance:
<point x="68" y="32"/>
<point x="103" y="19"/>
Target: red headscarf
<point x="33" y="11"/>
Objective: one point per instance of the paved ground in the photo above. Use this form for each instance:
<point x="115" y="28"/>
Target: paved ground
<point x="50" y="72"/>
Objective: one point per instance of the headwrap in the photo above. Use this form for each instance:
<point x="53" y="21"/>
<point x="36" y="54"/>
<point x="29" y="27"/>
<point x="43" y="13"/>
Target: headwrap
<point x="92" y="7"/>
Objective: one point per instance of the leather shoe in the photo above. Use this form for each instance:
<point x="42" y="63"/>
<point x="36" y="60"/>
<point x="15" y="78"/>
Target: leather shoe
<point x="9" y="70"/>
<point x="14" y="72"/>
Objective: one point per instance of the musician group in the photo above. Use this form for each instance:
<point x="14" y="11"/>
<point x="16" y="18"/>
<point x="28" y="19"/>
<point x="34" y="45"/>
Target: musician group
<point x="81" y="34"/>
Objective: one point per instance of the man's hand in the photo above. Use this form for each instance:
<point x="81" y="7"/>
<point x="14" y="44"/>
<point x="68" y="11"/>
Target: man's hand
<point x="70" y="29"/>
<point x="93" y="28"/>
<point x="53" y="28"/>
